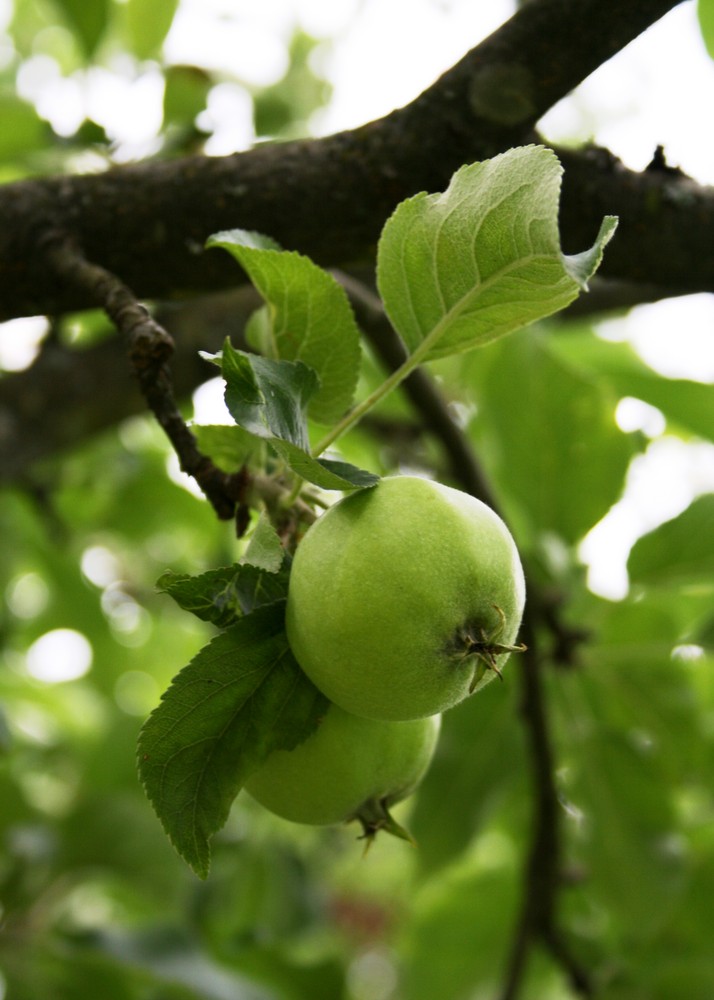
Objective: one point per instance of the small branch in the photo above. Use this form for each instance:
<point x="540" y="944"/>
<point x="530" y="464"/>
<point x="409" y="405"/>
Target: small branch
<point x="54" y="404"/>
<point x="149" y="347"/>
<point x="542" y="874"/>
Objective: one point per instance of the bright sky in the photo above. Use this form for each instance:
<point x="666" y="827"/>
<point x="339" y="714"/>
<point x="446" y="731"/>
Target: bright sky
<point x="658" y="91"/>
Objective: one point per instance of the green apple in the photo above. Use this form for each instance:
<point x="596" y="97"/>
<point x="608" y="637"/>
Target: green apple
<point x="349" y="768"/>
<point x="404" y="598"/>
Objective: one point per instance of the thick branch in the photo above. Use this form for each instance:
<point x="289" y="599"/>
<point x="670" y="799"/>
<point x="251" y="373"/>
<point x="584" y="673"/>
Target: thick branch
<point x="330" y="197"/>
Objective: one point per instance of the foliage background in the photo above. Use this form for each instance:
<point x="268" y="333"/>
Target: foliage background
<point x="93" y="898"/>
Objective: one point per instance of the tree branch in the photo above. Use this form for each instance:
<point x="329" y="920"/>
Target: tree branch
<point x="54" y="404"/>
<point x="542" y="874"/>
<point x="150" y="347"/>
<point x="329" y="197"/>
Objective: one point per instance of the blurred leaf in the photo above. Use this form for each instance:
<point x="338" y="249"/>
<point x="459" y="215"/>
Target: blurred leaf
<point x="457" y="940"/>
<point x="552" y="436"/>
<point x="186" y="90"/>
<point x="678" y="550"/>
<point x="22" y="130"/>
<point x="229" y="447"/>
<point x="309" y="318"/>
<point x="459" y="269"/>
<point x="148" y="23"/>
<point x="626" y="839"/>
<point x="174" y="964"/>
<point x="239" y="699"/>
<point x="478" y="759"/>
<point x="264" y="549"/>
<point x="705" y="11"/>
<point x="685" y="402"/>
<point x="286" y="106"/>
<point x="88" y="21"/>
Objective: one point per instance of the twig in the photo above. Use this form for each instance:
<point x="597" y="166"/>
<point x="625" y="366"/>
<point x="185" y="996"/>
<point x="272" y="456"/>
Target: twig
<point x="537" y="921"/>
<point x="149" y="347"/>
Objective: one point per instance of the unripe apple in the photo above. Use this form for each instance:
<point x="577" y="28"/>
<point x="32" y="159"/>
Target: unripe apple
<point x="404" y="598"/>
<point x="349" y="768"/>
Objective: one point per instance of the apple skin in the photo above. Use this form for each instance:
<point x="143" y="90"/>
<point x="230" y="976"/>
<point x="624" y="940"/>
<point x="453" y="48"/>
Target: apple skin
<point x="349" y="768"/>
<point x="404" y="598"/>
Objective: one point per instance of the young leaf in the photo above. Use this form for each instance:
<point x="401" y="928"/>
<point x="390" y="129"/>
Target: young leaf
<point x="239" y="699"/>
<point x="459" y="269"/>
<point x="308" y="317"/>
<point x="326" y="473"/>
<point x="229" y="446"/>
<point x="222" y="596"/>
<point x="264" y="549"/>
<point x="268" y="399"/>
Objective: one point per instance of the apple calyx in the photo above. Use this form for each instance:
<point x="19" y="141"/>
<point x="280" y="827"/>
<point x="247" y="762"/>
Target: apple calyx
<point x="375" y="816"/>
<point x="483" y="647"/>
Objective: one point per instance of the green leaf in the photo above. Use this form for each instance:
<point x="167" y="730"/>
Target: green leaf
<point x="680" y="550"/>
<point x="148" y="23"/>
<point x="222" y="596"/>
<point x="682" y="401"/>
<point x="456" y="942"/>
<point x="548" y="432"/>
<point x="308" y="317"/>
<point x="264" y="549"/>
<point x="186" y="90"/>
<point x="466" y="780"/>
<point x="705" y="12"/>
<point x="23" y="131"/>
<point x="326" y="473"/>
<point x="228" y="446"/>
<point x="211" y="596"/>
<point x="459" y="269"/>
<point x="619" y="786"/>
<point x="87" y="20"/>
<point x="239" y="699"/>
<point x="269" y="399"/>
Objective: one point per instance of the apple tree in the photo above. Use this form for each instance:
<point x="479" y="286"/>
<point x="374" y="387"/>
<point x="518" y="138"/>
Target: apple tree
<point x="216" y="366"/>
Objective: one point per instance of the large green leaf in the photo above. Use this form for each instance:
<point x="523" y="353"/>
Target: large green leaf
<point x="87" y="19"/>
<point x="620" y="790"/>
<point x="459" y="269"/>
<point x="551" y="436"/>
<point x="684" y="402"/>
<point x="479" y="757"/>
<point x="23" y="131"/>
<point x="241" y="697"/>
<point x="705" y="10"/>
<point x="680" y="550"/>
<point x="308" y="318"/>
<point x="148" y="23"/>
<point x="457" y="940"/>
